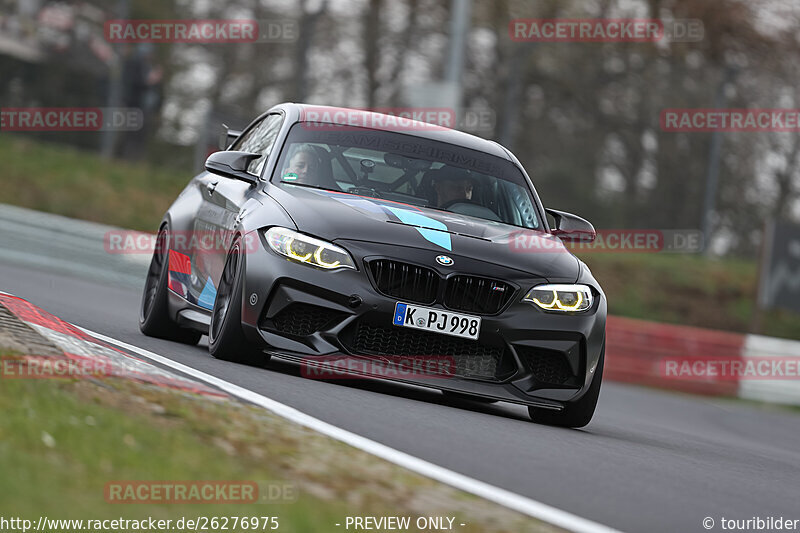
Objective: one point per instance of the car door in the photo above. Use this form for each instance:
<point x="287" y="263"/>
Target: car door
<point x="223" y="202"/>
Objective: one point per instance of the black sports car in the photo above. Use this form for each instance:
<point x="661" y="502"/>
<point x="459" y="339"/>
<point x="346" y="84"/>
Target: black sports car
<point x="340" y="237"/>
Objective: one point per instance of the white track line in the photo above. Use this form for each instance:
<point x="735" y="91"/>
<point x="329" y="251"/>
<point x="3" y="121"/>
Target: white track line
<point x="530" y="507"/>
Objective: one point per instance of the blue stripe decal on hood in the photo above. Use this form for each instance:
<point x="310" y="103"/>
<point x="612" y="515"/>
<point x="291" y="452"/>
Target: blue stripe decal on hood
<point x="432" y="231"/>
<point x="437" y="234"/>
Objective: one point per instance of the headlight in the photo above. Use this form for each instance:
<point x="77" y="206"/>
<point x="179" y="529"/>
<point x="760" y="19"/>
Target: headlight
<point x="560" y="297"/>
<point x="306" y="249"/>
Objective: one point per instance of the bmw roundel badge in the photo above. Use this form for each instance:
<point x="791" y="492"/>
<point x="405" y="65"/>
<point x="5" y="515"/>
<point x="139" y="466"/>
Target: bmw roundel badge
<point x="445" y="260"/>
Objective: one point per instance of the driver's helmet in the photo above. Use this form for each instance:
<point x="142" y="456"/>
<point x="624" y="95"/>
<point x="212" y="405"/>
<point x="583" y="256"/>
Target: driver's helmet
<point x="432" y="178"/>
<point x="453" y="184"/>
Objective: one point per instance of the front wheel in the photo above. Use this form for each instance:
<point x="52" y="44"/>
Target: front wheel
<point x="226" y="338"/>
<point x="575" y="414"/>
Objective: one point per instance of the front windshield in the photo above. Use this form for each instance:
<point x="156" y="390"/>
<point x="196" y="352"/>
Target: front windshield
<point x="408" y="169"/>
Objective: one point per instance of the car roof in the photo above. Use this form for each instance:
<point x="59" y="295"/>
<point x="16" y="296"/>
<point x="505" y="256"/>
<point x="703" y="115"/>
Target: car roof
<point x="295" y="113"/>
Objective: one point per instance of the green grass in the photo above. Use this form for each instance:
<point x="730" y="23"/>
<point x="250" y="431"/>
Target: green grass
<point x="61" y="442"/>
<point x="57" y="452"/>
<point x="687" y="289"/>
<point x="83" y="185"/>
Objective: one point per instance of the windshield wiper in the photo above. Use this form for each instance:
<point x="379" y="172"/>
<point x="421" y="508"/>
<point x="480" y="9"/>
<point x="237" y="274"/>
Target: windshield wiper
<point x="309" y="186"/>
<point x="437" y="209"/>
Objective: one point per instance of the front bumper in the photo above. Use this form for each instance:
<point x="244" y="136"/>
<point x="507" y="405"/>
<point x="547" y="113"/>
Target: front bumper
<point x="524" y="355"/>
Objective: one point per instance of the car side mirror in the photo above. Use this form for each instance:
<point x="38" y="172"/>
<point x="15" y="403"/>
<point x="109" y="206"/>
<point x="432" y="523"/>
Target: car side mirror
<point x="572" y="227"/>
<point x="232" y="165"/>
<point x="227" y="137"/>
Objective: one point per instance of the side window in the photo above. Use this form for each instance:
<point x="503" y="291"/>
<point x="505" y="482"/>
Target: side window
<point x="260" y="140"/>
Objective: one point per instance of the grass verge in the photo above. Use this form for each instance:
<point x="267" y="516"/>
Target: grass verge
<point x="687" y="289"/>
<point x="73" y="183"/>
<point x="62" y="441"/>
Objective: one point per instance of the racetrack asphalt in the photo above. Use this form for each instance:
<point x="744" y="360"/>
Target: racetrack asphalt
<point x="649" y="461"/>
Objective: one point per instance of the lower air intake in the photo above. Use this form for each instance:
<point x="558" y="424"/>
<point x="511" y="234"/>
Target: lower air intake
<point x="547" y="366"/>
<point x="472" y="359"/>
<point x="304" y="319"/>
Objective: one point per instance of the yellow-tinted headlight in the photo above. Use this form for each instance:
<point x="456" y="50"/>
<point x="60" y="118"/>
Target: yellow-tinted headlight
<point x="307" y="249"/>
<point x="560" y="298"/>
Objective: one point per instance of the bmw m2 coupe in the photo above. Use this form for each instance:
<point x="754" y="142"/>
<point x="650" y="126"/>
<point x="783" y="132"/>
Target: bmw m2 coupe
<point x="351" y="237"/>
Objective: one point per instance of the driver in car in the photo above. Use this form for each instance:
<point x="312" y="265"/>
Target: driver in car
<point x="452" y="189"/>
<point x="304" y="163"/>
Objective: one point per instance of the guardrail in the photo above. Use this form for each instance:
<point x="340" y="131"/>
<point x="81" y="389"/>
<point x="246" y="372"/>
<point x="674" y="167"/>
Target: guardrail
<point x="702" y="361"/>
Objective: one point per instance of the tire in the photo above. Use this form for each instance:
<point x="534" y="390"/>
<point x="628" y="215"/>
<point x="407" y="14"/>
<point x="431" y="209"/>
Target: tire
<point x="154" y="320"/>
<point x="460" y="396"/>
<point x="575" y="414"/>
<point x="226" y="340"/>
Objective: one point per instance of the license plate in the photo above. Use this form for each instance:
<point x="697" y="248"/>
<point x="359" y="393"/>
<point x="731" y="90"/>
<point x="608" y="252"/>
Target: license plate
<point x="437" y="320"/>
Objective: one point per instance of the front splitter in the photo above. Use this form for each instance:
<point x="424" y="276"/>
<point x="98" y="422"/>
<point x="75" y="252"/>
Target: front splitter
<point x="337" y="367"/>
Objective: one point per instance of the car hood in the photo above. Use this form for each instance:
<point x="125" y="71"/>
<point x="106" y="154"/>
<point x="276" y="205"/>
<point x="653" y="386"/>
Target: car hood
<point x="340" y="216"/>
